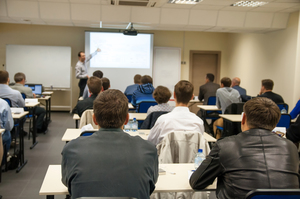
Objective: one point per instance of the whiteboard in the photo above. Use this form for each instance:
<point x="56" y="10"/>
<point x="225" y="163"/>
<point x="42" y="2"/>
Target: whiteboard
<point x="167" y="67"/>
<point x="47" y="65"/>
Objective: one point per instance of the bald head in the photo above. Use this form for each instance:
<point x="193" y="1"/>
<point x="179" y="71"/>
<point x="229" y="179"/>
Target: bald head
<point x="235" y="82"/>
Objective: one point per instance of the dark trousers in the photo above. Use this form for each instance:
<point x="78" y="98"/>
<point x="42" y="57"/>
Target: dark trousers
<point x="82" y="84"/>
<point x="40" y="113"/>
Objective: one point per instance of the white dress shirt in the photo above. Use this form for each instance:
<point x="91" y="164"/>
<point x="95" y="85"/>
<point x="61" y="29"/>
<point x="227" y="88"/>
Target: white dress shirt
<point x="179" y="119"/>
<point x="14" y="95"/>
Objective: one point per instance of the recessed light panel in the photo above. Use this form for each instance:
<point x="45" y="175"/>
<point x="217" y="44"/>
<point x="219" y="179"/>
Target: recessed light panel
<point x="184" y="1"/>
<point x="249" y="3"/>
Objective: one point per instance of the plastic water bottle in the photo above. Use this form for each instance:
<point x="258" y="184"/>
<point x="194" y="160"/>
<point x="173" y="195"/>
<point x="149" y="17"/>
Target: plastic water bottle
<point x="199" y="158"/>
<point x="283" y="111"/>
<point x="134" y="125"/>
<point x="127" y="126"/>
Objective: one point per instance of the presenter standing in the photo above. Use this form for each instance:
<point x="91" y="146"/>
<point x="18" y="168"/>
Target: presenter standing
<point x="81" y="69"/>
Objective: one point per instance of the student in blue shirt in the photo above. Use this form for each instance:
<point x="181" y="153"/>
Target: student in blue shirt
<point x="143" y="92"/>
<point x="131" y="88"/>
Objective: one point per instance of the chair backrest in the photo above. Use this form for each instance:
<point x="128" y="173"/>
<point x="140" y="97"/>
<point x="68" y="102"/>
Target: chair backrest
<point x="151" y="119"/>
<point x="87" y="118"/>
<point x="211" y="100"/>
<point x="283" y="105"/>
<point x="285" y="121"/>
<point x="181" y="147"/>
<point x="23" y="95"/>
<point x="87" y="133"/>
<point x="8" y="101"/>
<point x="235" y="108"/>
<point x="129" y="97"/>
<point x="144" y="106"/>
<point x="274" y="194"/>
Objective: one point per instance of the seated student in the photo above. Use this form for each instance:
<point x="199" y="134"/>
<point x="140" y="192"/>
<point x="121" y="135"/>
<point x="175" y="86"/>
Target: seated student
<point x="7" y="92"/>
<point x="20" y="80"/>
<point x="161" y="95"/>
<point x="110" y="163"/>
<point x="137" y="81"/>
<point x="256" y="158"/>
<point x="208" y="89"/>
<point x="86" y="93"/>
<point x="143" y="92"/>
<point x="95" y="87"/>
<point x="266" y="91"/>
<point x="296" y="110"/>
<point x="180" y="118"/>
<point x="6" y="122"/>
<point x="105" y="83"/>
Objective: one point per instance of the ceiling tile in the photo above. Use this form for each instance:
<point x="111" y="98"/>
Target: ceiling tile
<point x="258" y="20"/>
<point x="23" y="9"/>
<point x="231" y="19"/>
<point x="86" y="1"/>
<point x="85" y="12"/>
<point x="61" y="1"/>
<point x="52" y="10"/>
<point x="218" y="2"/>
<point x="145" y="15"/>
<point x="174" y="16"/>
<point x="286" y="1"/>
<point x="178" y="6"/>
<point x="290" y="10"/>
<point x="280" y="20"/>
<point x="267" y="9"/>
<point x="203" y="17"/>
<point x="281" y="5"/>
<point x="3" y="11"/>
<point x="207" y="7"/>
<point x="115" y="13"/>
<point x="237" y="9"/>
<point x="59" y="23"/>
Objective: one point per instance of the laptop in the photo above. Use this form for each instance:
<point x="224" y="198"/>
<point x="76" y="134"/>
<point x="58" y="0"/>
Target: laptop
<point x="37" y="89"/>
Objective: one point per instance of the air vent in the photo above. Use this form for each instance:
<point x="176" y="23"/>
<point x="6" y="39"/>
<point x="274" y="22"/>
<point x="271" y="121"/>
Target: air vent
<point x="143" y="3"/>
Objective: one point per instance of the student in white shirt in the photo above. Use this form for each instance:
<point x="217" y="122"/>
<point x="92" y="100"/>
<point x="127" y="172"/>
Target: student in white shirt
<point x="180" y="118"/>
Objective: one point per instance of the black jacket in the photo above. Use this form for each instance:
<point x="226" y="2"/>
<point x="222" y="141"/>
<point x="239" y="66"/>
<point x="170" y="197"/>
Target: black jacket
<point x="253" y="159"/>
<point x="84" y="105"/>
<point x="273" y="96"/>
<point x="293" y="132"/>
<point x="151" y="119"/>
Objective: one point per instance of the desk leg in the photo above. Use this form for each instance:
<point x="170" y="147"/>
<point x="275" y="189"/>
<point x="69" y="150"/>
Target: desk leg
<point x="76" y="124"/>
<point x="50" y="197"/>
<point x="21" y="145"/>
<point x="49" y="110"/>
<point x="34" y="142"/>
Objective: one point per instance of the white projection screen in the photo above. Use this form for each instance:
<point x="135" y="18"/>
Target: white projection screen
<point x="121" y="56"/>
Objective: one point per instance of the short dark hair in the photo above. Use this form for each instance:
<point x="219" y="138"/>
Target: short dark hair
<point x="94" y="85"/>
<point x="267" y="83"/>
<point x="226" y="81"/>
<point x="161" y="94"/>
<point x="146" y="79"/>
<point x="210" y="77"/>
<point x="111" y="108"/>
<point x="137" y="79"/>
<point x="98" y="73"/>
<point x="262" y="113"/>
<point x="105" y="83"/>
<point x="3" y="76"/>
<point x="19" y="77"/>
<point x="184" y="91"/>
<point x="79" y="54"/>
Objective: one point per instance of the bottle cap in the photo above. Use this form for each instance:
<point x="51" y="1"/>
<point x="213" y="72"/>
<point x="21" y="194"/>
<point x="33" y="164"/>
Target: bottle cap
<point x="200" y="151"/>
<point x="134" y="119"/>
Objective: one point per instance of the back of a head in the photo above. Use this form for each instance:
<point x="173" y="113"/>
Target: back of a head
<point x="94" y="85"/>
<point x="111" y="108"/>
<point x="19" y="77"/>
<point x="226" y="81"/>
<point x="267" y="83"/>
<point x="262" y="113"/>
<point x="137" y="79"/>
<point x="3" y="77"/>
<point x="236" y="81"/>
<point x="161" y="94"/>
<point x="105" y="83"/>
<point x="146" y="79"/>
<point x="98" y="73"/>
<point x="210" y="77"/>
<point x="184" y="91"/>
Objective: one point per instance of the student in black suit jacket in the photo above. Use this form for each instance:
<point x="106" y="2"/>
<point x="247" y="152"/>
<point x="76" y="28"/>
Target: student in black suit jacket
<point x="266" y="91"/>
<point x="208" y="89"/>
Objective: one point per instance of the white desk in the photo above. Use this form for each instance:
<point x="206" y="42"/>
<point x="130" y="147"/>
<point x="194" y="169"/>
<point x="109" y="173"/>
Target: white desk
<point x="138" y="116"/>
<point x="47" y="93"/>
<point x="2" y="130"/>
<point x="179" y="182"/>
<point x="71" y="134"/>
<point x="31" y="105"/>
<point x="209" y="107"/>
<point x="232" y="117"/>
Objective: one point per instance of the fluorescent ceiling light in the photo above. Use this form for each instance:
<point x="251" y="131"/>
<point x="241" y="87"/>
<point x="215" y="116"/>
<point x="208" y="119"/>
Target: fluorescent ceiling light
<point x="249" y="3"/>
<point x="184" y="1"/>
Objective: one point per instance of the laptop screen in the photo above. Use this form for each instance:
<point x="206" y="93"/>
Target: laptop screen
<point x="36" y="88"/>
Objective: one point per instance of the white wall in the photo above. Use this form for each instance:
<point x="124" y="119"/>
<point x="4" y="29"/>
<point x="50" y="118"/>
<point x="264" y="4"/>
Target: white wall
<point x="254" y="57"/>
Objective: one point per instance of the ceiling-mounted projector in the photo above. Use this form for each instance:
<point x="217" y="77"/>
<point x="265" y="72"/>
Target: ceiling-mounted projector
<point x="131" y="31"/>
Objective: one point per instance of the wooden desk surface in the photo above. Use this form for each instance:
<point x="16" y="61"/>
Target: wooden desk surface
<point x="232" y="117"/>
<point x="52" y="184"/>
<point x="20" y="115"/>
<point x="47" y="93"/>
<point x="31" y="104"/>
<point x="138" y="116"/>
<point x="130" y="106"/>
<point x="71" y="134"/>
<point x="76" y="117"/>
<point x="209" y="107"/>
<point x="44" y="98"/>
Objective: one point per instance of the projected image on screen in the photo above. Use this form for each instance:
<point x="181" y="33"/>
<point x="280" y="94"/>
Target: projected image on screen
<point x="121" y="51"/>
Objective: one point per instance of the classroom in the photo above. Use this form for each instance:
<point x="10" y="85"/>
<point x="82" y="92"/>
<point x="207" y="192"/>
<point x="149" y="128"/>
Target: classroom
<point x="255" y="45"/>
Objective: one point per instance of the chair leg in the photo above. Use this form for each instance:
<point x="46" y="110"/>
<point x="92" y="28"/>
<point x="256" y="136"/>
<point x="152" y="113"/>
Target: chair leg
<point x="29" y="129"/>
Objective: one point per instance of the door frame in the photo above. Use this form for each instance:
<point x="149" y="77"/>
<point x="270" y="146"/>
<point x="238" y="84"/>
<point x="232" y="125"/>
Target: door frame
<point x="218" y="53"/>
